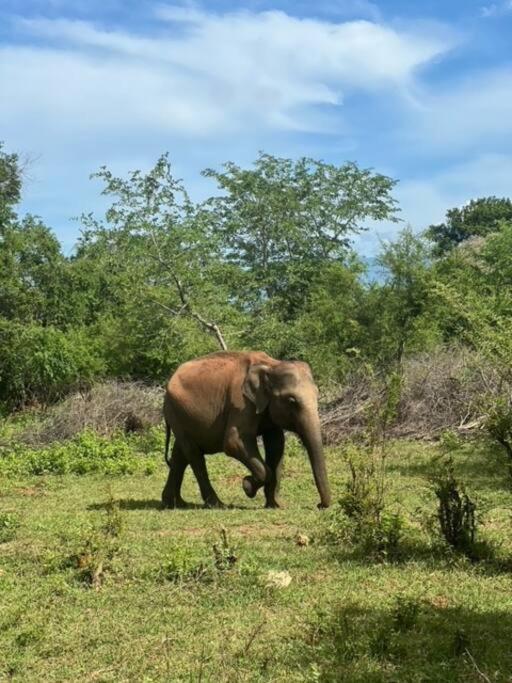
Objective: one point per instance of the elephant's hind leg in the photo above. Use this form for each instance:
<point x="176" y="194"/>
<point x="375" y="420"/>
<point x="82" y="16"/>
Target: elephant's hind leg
<point x="171" y="495"/>
<point x="198" y="464"/>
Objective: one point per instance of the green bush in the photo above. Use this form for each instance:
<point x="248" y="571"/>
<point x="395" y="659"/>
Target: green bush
<point x="8" y="526"/>
<point x="41" y="364"/>
<point x="361" y="519"/>
<point x="498" y="422"/>
<point x="87" y="453"/>
<point x="456" y="511"/>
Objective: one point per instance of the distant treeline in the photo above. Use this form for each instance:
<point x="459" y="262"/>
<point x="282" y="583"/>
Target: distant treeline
<point x="267" y="262"/>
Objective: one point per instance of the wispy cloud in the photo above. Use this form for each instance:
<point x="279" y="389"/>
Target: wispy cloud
<point x="496" y="9"/>
<point x="205" y="73"/>
<point x="466" y="113"/>
<point x="209" y="86"/>
<point x="425" y="200"/>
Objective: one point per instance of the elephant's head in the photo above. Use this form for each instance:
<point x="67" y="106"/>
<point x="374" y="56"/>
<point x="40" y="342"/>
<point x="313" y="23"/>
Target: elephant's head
<point x="287" y="390"/>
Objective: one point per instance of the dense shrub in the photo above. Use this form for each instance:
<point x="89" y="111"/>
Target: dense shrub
<point x="86" y="453"/>
<point x="498" y="422"/>
<point x="40" y="364"/>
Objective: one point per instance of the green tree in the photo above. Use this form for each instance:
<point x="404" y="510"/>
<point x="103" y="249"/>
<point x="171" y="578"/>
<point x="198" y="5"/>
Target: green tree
<point x="282" y="219"/>
<point x="478" y="218"/>
<point x="34" y="277"/>
<point x="402" y="302"/>
<point x="10" y="183"/>
<point x="474" y="285"/>
<point x="331" y="326"/>
<point x="41" y="364"/>
<point x="160" y="272"/>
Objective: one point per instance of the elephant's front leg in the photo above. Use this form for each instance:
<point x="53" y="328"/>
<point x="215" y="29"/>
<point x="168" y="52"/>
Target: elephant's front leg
<point x="274" y="451"/>
<point x="245" y="449"/>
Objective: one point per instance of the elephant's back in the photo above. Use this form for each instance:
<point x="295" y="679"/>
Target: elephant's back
<point x="216" y="371"/>
<point x="196" y="398"/>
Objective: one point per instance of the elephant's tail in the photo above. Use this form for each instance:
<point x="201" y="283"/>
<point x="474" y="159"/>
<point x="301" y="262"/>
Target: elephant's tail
<point x="167" y="442"/>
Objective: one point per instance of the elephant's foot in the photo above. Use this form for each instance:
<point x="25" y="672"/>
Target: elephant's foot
<point x="214" y="503"/>
<point x="174" y="503"/>
<point x="272" y="504"/>
<point x="250" y="486"/>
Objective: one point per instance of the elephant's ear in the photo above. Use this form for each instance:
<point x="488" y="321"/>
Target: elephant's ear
<point x="256" y="386"/>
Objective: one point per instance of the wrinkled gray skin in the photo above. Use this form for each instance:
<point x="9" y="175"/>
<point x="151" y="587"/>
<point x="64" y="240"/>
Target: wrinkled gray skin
<point x="223" y="402"/>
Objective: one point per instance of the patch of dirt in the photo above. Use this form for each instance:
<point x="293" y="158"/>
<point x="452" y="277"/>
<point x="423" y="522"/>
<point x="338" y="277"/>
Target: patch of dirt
<point x="31" y="491"/>
<point x="439" y="601"/>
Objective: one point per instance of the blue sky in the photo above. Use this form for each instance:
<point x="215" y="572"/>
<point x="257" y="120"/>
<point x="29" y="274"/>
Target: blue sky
<point x="421" y="91"/>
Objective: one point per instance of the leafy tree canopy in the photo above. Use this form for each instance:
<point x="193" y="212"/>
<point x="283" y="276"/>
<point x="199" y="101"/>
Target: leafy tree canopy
<point x="478" y="218"/>
<point x="281" y="218"/>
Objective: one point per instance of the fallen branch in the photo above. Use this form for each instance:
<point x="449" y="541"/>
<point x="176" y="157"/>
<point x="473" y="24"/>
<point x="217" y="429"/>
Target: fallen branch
<point x="483" y="676"/>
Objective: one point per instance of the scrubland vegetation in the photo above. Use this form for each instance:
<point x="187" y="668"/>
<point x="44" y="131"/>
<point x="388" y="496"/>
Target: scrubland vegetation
<point x="407" y="577"/>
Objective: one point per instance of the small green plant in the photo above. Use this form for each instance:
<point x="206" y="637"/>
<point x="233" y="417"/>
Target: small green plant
<point x="498" y="422"/>
<point x="114" y="523"/>
<point x="405" y="613"/>
<point x="456" y="511"/>
<point x="364" y="493"/>
<point x="361" y="518"/>
<point x="9" y="524"/>
<point x="383" y="410"/>
<point x="181" y="565"/>
<point x="460" y="642"/>
<point x="97" y="547"/>
<point x="223" y="552"/>
<point x="387" y="640"/>
<point x="449" y="441"/>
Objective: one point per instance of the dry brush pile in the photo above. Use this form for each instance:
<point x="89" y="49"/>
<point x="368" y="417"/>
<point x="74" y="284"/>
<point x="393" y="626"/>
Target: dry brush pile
<point x="446" y="389"/>
<point x="105" y="408"/>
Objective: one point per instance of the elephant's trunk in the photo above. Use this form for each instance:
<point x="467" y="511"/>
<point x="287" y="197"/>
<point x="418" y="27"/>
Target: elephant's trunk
<point x="311" y="437"/>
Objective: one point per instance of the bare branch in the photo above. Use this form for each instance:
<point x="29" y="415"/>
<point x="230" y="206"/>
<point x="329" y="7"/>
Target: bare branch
<point x="213" y="327"/>
<point x="210" y="326"/>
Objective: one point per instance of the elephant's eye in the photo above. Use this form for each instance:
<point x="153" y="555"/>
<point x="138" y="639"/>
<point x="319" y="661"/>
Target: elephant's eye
<point x="292" y="400"/>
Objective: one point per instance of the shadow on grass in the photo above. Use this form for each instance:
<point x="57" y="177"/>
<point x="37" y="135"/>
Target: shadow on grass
<point x="409" y="640"/>
<point x="129" y="504"/>
<point x="483" y="557"/>
<point x="155" y="504"/>
<point x="481" y="464"/>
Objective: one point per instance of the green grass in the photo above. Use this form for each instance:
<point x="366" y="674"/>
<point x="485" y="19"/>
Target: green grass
<point x="98" y="584"/>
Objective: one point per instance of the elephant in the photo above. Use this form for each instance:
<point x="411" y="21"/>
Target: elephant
<point x="223" y="402"/>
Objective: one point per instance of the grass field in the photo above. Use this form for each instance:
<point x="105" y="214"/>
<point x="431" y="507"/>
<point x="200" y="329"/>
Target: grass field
<point x="98" y="584"/>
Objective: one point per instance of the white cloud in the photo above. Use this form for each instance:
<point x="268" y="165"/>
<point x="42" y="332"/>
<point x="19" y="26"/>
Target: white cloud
<point x="208" y="87"/>
<point x="426" y="199"/>
<point x="496" y="9"/>
<point x="464" y="114"/>
<point x="207" y="74"/>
